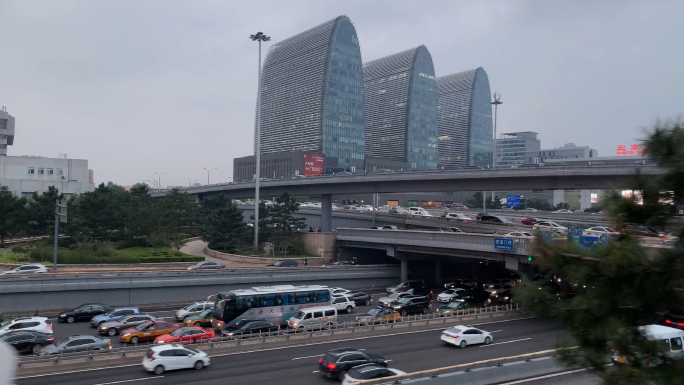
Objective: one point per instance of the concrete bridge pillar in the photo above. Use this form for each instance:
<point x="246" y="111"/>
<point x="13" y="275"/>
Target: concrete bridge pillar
<point x="326" y="213"/>
<point x="438" y="271"/>
<point x="404" y="267"/>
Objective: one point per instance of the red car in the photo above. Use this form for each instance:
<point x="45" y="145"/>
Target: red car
<point x="529" y="221"/>
<point x="186" y="335"/>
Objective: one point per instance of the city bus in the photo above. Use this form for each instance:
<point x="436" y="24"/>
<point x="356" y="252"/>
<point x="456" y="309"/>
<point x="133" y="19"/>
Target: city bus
<point x="275" y="304"/>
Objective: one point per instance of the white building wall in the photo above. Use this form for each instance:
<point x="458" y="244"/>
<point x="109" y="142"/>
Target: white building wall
<point x="69" y="176"/>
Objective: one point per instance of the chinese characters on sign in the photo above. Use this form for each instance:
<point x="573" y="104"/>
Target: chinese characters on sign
<point x="313" y="164"/>
<point x="633" y="149"/>
<point x="503" y="244"/>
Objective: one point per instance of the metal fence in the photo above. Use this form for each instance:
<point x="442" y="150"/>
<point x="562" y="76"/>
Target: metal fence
<point x="279" y="335"/>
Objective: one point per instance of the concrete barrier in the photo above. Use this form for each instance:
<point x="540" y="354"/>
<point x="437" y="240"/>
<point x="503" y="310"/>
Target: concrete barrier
<point x="258" y="261"/>
<point x="52" y="292"/>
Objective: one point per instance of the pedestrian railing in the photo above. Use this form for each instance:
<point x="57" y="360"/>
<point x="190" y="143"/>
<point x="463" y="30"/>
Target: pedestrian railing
<point x="283" y="334"/>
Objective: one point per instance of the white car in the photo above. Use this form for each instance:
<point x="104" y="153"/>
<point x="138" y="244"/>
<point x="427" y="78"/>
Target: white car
<point x="338" y="291"/>
<point x="600" y="230"/>
<point x="532" y="210"/>
<point x="343" y="303"/>
<point x="367" y="372"/>
<point x="27" y="269"/>
<point x="39" y="324"/>
<point x="463" y="336"/>
<point x="457" y="216"/>
<point x="550" y="226"/>
<point x="523" y="234"/>
<point x="365" y="208"/>
<point x="449" y="294"/>
<point x="419" y="212"/>
<point x="563" y="211"/>
<point x="161" y="358"/>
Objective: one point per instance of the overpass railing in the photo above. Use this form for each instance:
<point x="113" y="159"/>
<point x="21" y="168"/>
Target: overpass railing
<point x="456" y="241"/>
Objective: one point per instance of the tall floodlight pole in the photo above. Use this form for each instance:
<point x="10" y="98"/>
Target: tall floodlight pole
<point x="159" y="176"/>
<point x="209" y="172"/>
<point x="496" y="102"/>
<point x="259" y="36"/>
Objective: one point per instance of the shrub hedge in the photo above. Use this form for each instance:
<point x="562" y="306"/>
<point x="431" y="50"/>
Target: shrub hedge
<point x="171" y="259"/>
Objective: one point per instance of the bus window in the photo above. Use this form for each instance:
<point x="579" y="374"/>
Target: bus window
<point x="676" y="343"/>
<point x="245" y="302"/>
<point x="269" y="300"/>
<point x="323" y="296"/>
<point x="282" y="299"/>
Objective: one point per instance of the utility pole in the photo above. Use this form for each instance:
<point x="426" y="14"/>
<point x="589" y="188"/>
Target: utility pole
<point x="159" y="176"/>
<point x="259" y="36"/>
<point x="209" y="172"/>
<point x="60" y="216"/>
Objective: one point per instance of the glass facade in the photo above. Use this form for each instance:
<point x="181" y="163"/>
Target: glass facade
<point x="401" y="108"/>
<point x="312" y="95"/>
<point x="465" y="120"/>
<point x="344" y="124"/>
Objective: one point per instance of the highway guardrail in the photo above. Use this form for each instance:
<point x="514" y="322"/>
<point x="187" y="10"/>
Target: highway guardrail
<point x="281" y="334"/>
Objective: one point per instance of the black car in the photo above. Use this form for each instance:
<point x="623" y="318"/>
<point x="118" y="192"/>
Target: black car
<point x="360" y="298"/>
<point x="412" y="304"/>
<point x="28" y="341"/>
<point x="338" y="362"/>
<point x="504" y="297"/>
<point x="84" y="312"/>
<point x="249" y="328"/>
<point x="286" y="263"/>
<point x="491" y="218"/>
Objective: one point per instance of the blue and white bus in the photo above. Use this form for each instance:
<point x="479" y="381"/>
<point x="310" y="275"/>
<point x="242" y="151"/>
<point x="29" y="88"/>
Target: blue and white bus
<point x="275" y="304"/>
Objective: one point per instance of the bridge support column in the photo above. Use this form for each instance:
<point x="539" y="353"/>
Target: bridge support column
<point x="326" y="213"/>
<point x="404" y="267"/>
<point x="438" y="271"/>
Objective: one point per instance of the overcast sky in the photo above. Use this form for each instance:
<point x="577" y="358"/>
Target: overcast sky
<point x="143" y="87"/>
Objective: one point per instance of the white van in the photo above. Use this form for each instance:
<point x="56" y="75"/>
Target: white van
<point x="670" y="341"/>
<point x="313" y="318"/>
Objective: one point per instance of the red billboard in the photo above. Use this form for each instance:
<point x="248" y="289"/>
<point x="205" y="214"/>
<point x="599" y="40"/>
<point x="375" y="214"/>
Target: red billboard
<point x="314" y="164"/>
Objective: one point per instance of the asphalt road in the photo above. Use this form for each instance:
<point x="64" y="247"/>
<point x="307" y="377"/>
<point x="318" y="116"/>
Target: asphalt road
<point x="409" y="350"/>
<point x="571" y="377"/>
<point x="64" y="330"/>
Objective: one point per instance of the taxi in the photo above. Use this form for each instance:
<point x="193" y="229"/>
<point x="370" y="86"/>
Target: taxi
<point x="454" y="307"/>
<point x="147" y="331"/>
<point x="202" y="319"/>
<point x="378" y="315"/>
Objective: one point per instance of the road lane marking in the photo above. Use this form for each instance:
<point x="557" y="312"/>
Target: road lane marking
<point x="316" y="371"/>
<point x="317" y="355"/>
<point x="506" y="342"/>
<point x="122" y="381"/>
<point x="544" y="377"/>
<point x="496" y="331"/>
<point x="278" y="348"/>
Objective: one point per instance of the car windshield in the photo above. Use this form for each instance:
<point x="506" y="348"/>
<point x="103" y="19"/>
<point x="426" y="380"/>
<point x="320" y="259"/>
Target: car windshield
<point x="450" y="291"/>
<point x="299" y="315"/>
<point x="373" y="312"/>
<point x="497" y="287"/>
<point x="454" y="330"/>
<point x="454" y="305"/>
<point x="395" y="295"/>
<point x="109" y="313"/>
<point x="62" y="342"/>
<point x="206" y="313"/>
<point x="189" y="306"/>
<point x="177" y="332"/>
<point x="403" y="300"/>
<point x="143" y="325"/>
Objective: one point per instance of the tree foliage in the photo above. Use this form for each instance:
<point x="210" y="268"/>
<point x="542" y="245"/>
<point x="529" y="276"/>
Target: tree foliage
<point x="222" y="225"/>
<point x="602" y="296"/>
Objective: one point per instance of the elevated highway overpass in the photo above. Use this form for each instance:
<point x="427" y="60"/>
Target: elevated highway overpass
<point x="497" y="179"/>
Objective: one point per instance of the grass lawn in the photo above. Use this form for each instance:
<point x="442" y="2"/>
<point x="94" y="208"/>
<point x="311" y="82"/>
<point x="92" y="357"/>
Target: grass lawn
<point x="147" y="252"/>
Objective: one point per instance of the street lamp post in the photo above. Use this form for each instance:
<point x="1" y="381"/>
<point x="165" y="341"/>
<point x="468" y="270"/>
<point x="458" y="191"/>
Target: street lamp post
<point x="496" y="102"/>
<point x="209" y="172"/>
<point x="159" y="176"/>
<point x="259" y="36"/>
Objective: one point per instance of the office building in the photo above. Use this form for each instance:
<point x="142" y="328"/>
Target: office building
<point x="512" y="147"/>
<point x="279" y="165"/>
<point x="25" y="175"/>
<point x="401" y="108"/>
<point x="6" y="130"/>
<point x="464" y="120"/>
<point x="568" y="151"/>
<point x="313" y="96"/>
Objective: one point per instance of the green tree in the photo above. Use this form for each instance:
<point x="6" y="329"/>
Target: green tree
<point x="284" y="223"/>
<point x="222" y="224"/>
<point x="475" y="201"/>
<point x="185" y="210"/>
<point x="98" y="214"/>
<point x="41" y="212"/>
<point x="604" y="295"/>
<point x="11" y="214"/>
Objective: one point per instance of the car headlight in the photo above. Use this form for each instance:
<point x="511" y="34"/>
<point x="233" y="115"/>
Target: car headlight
<point x="63" y="315"/>
<point x="126" y="335"/>
<point x="103" y="327"/>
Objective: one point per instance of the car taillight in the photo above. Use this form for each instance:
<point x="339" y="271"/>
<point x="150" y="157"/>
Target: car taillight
<point x="48" y="325"/>
<point x="110" y="344"/>
<point x="52" y="338"/>
<point x="668" y="321"/>
<point x="320" y="361"/>
<point x="151" y="358"/>
<point x="332" y="366"/>
<point x="455" y="336"/>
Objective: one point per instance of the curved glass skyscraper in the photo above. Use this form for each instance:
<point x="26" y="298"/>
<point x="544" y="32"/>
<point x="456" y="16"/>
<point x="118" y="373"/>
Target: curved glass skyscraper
<point x="465" y="120"/>
<point x="401" y="108"/>
<point x="312" y="95"/>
